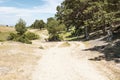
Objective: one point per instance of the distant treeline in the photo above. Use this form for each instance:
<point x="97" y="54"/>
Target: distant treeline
<point x="83" y="17"/>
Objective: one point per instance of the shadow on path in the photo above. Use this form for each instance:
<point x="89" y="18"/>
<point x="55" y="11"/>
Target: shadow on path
<point x="110" y="52"/>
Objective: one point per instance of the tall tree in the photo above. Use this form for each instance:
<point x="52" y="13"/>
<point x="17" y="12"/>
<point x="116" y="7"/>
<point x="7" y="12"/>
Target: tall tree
<point x="38" y="24"/>
<point x="21" y="27"/>
<point x="41" y="24"/>
<point x="88" y="14"/>
<point x="54" y="28"/>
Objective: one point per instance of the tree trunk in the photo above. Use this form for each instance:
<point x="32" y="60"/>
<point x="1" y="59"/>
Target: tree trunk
<point x="86" y="33"/>
<point x="110" y="34"/>
<point x="103" y="30"/>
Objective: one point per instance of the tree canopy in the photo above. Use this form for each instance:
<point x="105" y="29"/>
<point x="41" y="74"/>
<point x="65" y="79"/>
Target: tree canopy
<point x="21" y="27"/>
<point x="38" y="24"/>
<point x="54" y="28"/>
<point x="89" y="15"/>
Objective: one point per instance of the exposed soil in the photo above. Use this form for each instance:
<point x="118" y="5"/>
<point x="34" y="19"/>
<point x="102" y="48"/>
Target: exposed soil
<point x="71" y="62"/>
<point x="52" y="61"/>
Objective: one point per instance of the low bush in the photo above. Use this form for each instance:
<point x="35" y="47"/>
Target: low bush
<point x="1" y="40"/>
<point x="24" y="38"/>
<point x="13" y="36"/>
<point x="31" y="36"/>
<point x="55" y="37"/>
<point x="41" y="47"/>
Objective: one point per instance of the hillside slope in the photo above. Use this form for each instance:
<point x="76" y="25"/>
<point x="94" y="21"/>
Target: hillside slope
<point x="4" y="32"/>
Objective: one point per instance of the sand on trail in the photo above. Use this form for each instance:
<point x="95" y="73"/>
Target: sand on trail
<point x="66" y="63"/>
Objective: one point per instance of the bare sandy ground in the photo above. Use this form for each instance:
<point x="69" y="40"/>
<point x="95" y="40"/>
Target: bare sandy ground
<point x="66" y="63"/>
<point x="17" y="60"/>
<point x="54" y="61"/>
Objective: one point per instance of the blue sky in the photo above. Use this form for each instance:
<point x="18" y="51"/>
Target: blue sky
<point x="29" y="10"/>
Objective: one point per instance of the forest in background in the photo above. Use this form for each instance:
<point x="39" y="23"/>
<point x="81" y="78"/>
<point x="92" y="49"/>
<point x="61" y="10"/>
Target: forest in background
<point x="79" y="19"/>
<point x="93" y="23"/>
<point x="86" y="20"/>
<point x="89" y="18"/>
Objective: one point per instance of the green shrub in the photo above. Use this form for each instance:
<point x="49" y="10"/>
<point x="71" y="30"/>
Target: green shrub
<point x="1" y="40"/>
<point x="41" y="47"/>
<point x="31" y="36"/>
<point x="55" y="37"/>
<point x="24" y="39"/>
<point x="19" y="38"/>
<point x="4" y="36"/>
<point x="20" y="27"/>
<point x="13" y="36"/>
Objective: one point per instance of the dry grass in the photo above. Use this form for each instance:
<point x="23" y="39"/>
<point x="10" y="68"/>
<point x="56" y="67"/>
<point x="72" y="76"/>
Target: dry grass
<point x="6" y="29"/>
<point x="87" y="44"/>
<point x="4" y="36"/>
<point x="65" y="44"/>
<point x="19" y="66"/>
<point x="4" y="32"/>
<point x="17" y="61"/>
<point x="43" y="34"/>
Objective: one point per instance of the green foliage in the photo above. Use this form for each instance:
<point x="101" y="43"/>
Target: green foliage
<point x="88" y="15"/>
<point x="4" y="36"/>
<point x="38" y="24"/>
<point x="20" y="27"/>
<point x="54" y="28"/>
<point x="13" y="36"/>
<point x="24" y="39"/>
<point x="55" y="37"/>
<point x="31" y="36"/>
<point x="19" y="38"/>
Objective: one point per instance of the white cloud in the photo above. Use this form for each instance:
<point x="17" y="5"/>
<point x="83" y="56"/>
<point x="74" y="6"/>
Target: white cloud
<point x="2" y="1"/>
<point x="37" y="12"/>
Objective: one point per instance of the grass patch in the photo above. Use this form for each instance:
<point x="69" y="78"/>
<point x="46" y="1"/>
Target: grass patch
<point x="4" y="32"/>
<point x="65" y="44"/>
<point x="65" y="35"/>
<point x="86" y="43"/>
<point x="17" y="62"/>
<point x="4" y="36"/>
<point x="41" y="47"/>
<point x="6" y="29"/>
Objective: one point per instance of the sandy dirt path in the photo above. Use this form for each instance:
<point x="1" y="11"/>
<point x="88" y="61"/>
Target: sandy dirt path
<point x="63" y="63"/>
